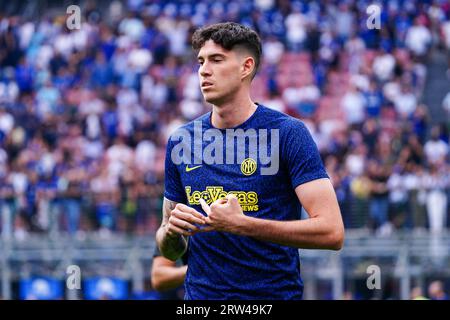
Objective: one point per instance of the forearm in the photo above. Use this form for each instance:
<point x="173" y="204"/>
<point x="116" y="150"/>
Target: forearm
<point x="171" y="247"/>
<point x="166" y="278"/>
<point x="313" y="233"/>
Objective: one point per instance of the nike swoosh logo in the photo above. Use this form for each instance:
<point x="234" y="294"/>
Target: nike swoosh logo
<point x="193" y="168"/>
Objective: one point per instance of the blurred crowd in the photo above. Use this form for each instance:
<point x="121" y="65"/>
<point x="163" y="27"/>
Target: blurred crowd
<point x="85" y="113"/>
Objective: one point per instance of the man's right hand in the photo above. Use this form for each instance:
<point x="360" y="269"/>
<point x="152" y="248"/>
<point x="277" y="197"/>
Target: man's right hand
<point x="185" y="221"/>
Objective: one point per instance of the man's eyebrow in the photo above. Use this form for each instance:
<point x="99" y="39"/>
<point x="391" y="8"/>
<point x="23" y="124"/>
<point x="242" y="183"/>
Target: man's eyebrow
<point x="214" y="55"/>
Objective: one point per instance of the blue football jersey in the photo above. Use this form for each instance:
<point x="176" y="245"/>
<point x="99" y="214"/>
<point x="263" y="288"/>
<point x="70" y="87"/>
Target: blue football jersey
<point x="278" y="155"/>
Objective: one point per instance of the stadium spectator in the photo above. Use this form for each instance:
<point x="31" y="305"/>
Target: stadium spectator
<point x="418" y="37"/>
<point x="436" y="150"/>
<point x="379" y="202"/>
<point x="436" y="181"/>
<point x="417" y="294"/>
<point x="436" y="291"/>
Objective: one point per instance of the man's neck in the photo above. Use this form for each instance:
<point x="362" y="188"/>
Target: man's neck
<point x="232" y="114"/>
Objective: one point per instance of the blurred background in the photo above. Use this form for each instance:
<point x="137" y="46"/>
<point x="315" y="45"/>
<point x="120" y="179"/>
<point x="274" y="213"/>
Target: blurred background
<point x="85" y="115"/>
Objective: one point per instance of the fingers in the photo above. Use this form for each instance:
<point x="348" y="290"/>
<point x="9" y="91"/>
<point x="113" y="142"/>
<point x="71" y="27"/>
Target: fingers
<point x="205" y="206"/>
<point x="185" y="220"/>
<point x="232" y="199"/>
<point x="184" y="208"/>
<point x="206" y="229"/>
<point x="188" y="217"/>
<point x="185" y="228"/>
<point x="182" y="226"/>
<point x="216" y="203"/>
<point x="176" y="230"/>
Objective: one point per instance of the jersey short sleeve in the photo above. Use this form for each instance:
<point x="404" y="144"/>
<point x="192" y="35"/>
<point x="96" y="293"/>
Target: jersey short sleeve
<point x="172" y="183"/>
<point x="300" y="154"/>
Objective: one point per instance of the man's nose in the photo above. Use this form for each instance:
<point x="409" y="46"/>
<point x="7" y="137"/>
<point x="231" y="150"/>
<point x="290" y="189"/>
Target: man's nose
<point x="204" y="69"/>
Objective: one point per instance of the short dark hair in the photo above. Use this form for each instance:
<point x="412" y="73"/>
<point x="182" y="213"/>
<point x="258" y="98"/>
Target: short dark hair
<point x="228" y="35"/>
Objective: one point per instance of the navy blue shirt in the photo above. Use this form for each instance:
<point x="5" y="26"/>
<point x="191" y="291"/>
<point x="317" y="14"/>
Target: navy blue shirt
<point x="226" y="266"/>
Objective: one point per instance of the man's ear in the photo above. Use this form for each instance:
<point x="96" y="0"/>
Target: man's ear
<point x="248" y="67"/>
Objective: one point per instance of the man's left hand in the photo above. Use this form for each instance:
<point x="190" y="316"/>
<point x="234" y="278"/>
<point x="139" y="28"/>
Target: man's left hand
<point x="224" y="214"/>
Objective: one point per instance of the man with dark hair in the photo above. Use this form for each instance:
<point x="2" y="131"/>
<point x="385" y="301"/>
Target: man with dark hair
<point x="241" y="216"/>
<point x="230" y="36"/>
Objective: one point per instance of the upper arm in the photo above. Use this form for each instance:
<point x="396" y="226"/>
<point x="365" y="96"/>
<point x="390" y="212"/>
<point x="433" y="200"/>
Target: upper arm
<point x="319" y="200"/>
<point x="163" y="274"/>
<point x="161" y="261"/>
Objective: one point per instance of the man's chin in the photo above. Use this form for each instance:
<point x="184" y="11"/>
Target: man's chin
<point x="211" y="99"/>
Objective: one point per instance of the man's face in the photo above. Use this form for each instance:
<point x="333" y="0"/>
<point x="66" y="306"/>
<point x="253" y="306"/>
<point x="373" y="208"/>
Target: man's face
<point x="219" y="72"/>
